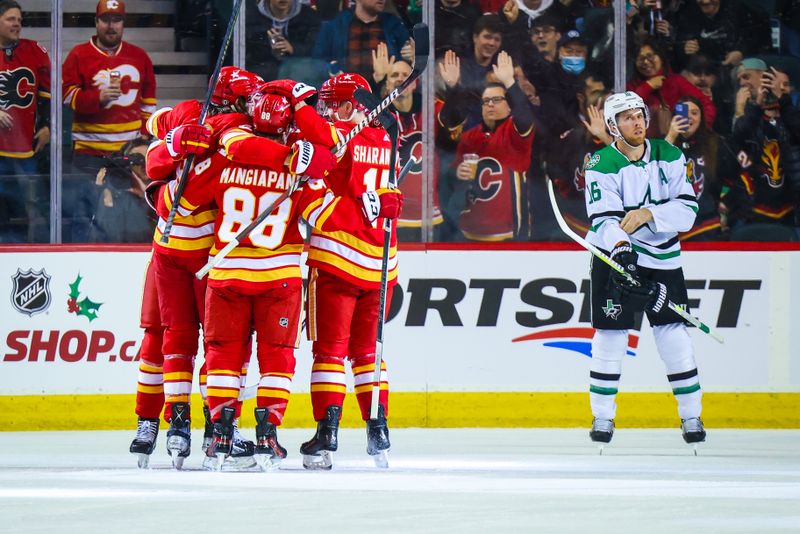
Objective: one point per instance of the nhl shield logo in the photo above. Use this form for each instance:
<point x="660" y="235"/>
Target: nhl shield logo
<point x="31" y="291"/>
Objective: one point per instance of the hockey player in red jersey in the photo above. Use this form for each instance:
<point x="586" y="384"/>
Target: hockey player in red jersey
<point x="344" y="284"/>
<point x="258" y="285"/>
<point x="497" y="208"/>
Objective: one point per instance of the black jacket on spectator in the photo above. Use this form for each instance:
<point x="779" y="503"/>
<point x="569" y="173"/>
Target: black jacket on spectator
<point x="734" y="27"/>
<point x="518" y="32"/>
<point x="453" y="30"/>
<point x="301" y="31"/>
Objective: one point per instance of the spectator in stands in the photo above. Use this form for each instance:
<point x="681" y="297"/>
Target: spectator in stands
<point x="278" y="31"/>
<point x="725" y="30"/>
<point x="24" y="119"/>
<point x="710" y="166"/>
<point x="539" y="53"/>
<point x="492" y="160"/>
<point x="763" y="137"/>
<point x="567" y="153"/>
<point x="704" y="74"/>
<point x="518" y="17"/>
<point x="455" y="20"/>
<point x="122" y="215"/>
<point x="660" y="88"/>
<point x="350" y="38"/>
<point x="111" y="88"/>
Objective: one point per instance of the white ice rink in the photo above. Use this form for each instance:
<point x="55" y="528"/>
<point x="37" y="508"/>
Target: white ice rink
<point x="455" y="480"/>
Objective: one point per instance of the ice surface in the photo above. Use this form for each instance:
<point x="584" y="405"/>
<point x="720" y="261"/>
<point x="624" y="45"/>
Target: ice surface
<point x="440" y="480"/>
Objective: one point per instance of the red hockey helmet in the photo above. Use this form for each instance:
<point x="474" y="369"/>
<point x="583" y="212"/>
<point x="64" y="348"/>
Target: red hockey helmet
<point x="271" y="113"/>
<point x="338" y="89"/>
<point x="233" y="83"/>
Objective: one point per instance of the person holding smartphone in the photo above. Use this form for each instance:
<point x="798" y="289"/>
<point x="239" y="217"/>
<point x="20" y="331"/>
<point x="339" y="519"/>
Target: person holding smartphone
<point x="709" y="165"/>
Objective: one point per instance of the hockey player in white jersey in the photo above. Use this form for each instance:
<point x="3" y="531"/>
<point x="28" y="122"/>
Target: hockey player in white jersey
<point x="638" y="198"/>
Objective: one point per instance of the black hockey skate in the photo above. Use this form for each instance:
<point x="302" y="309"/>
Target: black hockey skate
<point x="693" y="432"/>
<point x="179" y="435"/>
<point x="602" y="431"/>
<point x="317" y="451"/>
<point x="378" y="439"/>
<point x="145" y="441"/>
<point x="242" y="453"/>
<point x="208" y="437"/>
<point x="269" y="452"/>
<point x="222" y="438"/>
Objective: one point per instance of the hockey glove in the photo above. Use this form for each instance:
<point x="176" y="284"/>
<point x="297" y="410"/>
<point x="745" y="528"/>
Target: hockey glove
<point x="187" y="139"/>
<point x="649" y="296"/>
<point x="308" y="158"/>
<point x="295" y="92"/>
<point x="624" y="255"/>
<point x="385" y="203"/>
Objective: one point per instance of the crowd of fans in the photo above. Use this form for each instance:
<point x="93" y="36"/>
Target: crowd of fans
<point x="519" y="89"/>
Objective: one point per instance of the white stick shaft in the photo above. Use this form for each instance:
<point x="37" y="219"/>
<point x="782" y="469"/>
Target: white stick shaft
<point x="213" y="262"/>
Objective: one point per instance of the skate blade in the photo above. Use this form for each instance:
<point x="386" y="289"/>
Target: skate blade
<point x="220" y="456"/>
<point x="321" y="461"/>
<point x="381" y="459"/>
<point x="267" y="462"/>
<point x="239" y="463"/>
<point x="600" y="448"/>
<point x="210" y="463"/>
<point x="177" y="461"/>
<point x="143" y="460"/>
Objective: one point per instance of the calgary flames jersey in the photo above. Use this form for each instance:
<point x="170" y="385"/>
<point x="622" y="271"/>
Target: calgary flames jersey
<point x="497" y="205"/>
<point x="102" y="129"/>
<point x="270" y="255"/>
<point x="192" y="234"/>
<point x="24" y="79"/>
<point x="356" y="255"/>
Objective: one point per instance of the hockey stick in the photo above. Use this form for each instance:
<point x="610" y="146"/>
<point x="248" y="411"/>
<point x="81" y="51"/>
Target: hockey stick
<point x="389" y="123"/>
<point x="237" y="4"/>
<point x="420" y="62"/>
<point x="617" y="267"/>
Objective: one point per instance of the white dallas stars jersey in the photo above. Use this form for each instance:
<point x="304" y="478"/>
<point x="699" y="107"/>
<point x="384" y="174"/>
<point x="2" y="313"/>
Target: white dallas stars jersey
<point x="615" y="185"/>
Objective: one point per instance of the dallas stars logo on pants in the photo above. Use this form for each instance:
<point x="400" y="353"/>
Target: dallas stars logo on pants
<point x="612" y="310"/>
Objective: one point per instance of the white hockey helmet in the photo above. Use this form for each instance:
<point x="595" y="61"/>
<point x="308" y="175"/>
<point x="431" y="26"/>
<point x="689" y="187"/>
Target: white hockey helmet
<point x="619" y="102"/>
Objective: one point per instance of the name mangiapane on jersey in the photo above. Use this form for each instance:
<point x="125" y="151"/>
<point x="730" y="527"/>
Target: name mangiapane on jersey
<point x="371" y="154"/>
<point x="256" y="177"/>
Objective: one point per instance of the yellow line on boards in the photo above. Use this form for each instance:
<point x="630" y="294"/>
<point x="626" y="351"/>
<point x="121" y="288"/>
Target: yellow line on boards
<point x="433" y="410"/>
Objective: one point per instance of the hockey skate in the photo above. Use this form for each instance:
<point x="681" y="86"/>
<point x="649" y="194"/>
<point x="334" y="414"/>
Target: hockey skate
<point x="378" y="439"/>
<point x="208" y="436"/>
<point x="318" y="451"/>
<point x="602" y="431"/>
<point x="229" y="450"/>
<point x="269" y="452"/>
<point x="145" y="441"/>
<point x="693" y="432"/>
<point x="179" y="435"/>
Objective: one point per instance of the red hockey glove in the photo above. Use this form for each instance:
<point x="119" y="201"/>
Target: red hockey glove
<point x="188" y="139"/>
<point x="385" y="203"/>
<point x="308" y="158"/>
<point x="295" y="92"/>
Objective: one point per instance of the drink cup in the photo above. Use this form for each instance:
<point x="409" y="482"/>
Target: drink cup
<point x="471" y="159"/>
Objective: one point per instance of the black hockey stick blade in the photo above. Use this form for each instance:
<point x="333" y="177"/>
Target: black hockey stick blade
<point x="422" y="46"/>
<point x="370" y="101"/>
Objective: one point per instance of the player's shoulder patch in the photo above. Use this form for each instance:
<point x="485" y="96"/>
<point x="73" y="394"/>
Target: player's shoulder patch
<point x="589" y="162"/>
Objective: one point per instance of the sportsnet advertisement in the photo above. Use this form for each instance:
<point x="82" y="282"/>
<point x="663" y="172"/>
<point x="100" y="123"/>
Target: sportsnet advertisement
<point x="478" y="321"/>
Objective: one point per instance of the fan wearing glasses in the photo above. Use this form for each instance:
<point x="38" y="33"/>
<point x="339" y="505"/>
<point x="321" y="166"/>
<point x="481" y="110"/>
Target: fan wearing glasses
<point x="492" y="159"/>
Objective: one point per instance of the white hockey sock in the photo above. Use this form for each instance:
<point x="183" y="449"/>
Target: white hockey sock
<point x="675" y="349"/>
<point x="608" y="349"/>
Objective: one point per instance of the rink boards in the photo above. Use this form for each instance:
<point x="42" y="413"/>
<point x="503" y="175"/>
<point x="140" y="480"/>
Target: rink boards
<point x="476" y="338"/>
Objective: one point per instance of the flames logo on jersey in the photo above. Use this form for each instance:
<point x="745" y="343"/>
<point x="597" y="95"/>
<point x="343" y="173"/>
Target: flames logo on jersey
<point x="771" y="159"/>
<point x="411" y="146"/>
<point x="488" y="180"/>
<point x="695" y="174"/>
<point x="17" y="88"/>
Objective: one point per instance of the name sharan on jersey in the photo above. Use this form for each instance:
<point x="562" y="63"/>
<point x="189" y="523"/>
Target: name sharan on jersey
<point x="371" y="154"/>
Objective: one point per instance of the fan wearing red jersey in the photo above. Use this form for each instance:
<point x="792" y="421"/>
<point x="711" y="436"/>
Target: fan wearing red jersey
<point x="110" y="86"/>
<point x="344" y="282"/>
<point x="497" y="209"/>
<point x="24" y="117"/>
<point x="258" y="286"/>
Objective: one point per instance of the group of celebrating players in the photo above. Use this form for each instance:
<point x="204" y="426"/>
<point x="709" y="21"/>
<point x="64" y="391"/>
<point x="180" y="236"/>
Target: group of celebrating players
<point x="259" y="140"/>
